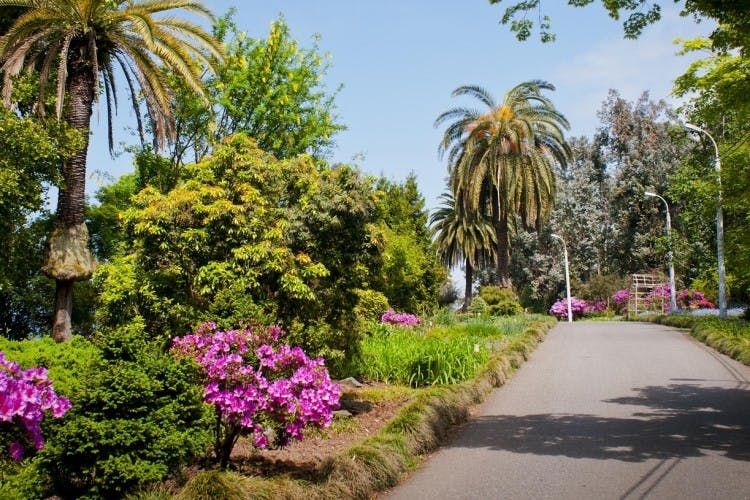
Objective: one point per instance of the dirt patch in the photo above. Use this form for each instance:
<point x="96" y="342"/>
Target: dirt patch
<point x="311" y="458"/>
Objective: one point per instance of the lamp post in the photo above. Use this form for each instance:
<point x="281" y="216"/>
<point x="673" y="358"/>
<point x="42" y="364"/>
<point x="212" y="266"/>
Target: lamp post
<point x="670" y="255"/>
<point x="567" y="276"/>
<point x="719" y="225"/>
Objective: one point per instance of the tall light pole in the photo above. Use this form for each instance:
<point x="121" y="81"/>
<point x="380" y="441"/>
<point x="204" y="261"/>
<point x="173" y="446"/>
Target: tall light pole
<point x="670" y="255"/>
<point x="567" y="276"/>
<point x="719" y="225"/>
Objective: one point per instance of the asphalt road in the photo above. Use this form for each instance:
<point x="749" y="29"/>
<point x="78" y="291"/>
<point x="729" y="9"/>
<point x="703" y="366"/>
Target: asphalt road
<point x="603" y="410"/>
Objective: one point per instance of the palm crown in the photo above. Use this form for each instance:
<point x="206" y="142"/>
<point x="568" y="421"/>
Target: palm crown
<point x="501" y="158"/>
<point x="102" y="36"/>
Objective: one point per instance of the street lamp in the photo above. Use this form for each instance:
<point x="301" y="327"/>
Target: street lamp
<point x="567" y="276"/>
<point x="719" y="225"/>
<point x="672" y="291"/>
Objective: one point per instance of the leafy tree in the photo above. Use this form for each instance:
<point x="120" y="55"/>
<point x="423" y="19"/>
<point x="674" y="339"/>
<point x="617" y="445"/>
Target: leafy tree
<point x="733" y="18"/>
<point x="503" y="158"/>
<point x="271" y="89"/>
<point x="411" y="273"/>
<point x="642" y="147"/>
<point x="84" y="45"/>
<point x="719" y="85"/>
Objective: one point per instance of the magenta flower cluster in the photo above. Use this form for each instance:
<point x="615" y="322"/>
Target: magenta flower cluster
<point x="391" y="317"/>
<point x="560" y="308"/>
<point x="25" y="398"/>
<point x="258" y="385"/>
<point x="693" y="299"/>
<point x="621" y="297"/>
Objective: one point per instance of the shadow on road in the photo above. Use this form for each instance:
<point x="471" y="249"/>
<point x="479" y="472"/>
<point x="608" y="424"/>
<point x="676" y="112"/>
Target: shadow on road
<point x="679" y="420"/>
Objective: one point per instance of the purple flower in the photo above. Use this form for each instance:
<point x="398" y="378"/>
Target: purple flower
<point x="26" y="396"/>
<point x="391" y="317"/>
<point x="258" y="385"/>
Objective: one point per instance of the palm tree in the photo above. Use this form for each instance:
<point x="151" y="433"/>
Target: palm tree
<point x="76" y="46"/>
<point x="503" y="157"/>
<point x="462" y="236"/>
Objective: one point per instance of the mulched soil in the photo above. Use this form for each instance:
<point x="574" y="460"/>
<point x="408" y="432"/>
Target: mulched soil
<point x="309" y="458"/>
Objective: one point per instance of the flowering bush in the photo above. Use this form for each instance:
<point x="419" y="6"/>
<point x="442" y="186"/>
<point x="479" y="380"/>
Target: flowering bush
<point x="595" y="307"/>
<point x="659" y="297"/>
<point x="693" y="299"/>
<point x="560" y="308"/>
<point x="25" y="396"/>
<point x="258" y="385"/>
<point x="391" y="317"/>
<point x="621" y="297"/>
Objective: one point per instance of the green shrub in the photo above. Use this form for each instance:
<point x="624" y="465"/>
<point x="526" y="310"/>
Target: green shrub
<point x="136" y="417"/>
<point x="22" y="480"/>
<point x="370" y="305"/>
<point x="501" y="301"/>
<point x="445" y="317"/>
<point x="478" y="306"/>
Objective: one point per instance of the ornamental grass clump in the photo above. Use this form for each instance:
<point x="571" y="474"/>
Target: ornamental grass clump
<point x="26" y="397"/>
<point x="392" y="317"/>
<point x="259" y="386"/>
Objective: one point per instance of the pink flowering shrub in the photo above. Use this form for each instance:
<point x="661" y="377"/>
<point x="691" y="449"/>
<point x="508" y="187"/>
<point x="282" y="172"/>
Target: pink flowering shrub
<point x="621" y="298"/>
<point x="693" y="299"/>
<point x="560" y="308"/>
<point x="595" y="307"/>
<point x="259" y="386"/>
<point x="391" y="317"/>
<point x="26" y="396"/>
<point x="659" y="297"/>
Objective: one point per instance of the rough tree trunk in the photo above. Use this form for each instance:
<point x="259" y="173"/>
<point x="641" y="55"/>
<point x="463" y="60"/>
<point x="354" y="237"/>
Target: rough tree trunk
<point x="502" y="259"/>
<point x="469" y="272"/>
<point x="68" y="257"/>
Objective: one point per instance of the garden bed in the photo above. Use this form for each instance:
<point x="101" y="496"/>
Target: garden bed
<point x="369" y="453"/>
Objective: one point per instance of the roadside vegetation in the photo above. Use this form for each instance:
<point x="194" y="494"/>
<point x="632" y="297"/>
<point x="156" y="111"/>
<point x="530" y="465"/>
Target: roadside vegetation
<point x="203" y="325"/>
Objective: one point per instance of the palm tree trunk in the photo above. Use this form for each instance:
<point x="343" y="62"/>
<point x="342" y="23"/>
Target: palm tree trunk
<point x="502" y="259"/>
<point x="469" y="272"/>
<point x="71" y="198"/>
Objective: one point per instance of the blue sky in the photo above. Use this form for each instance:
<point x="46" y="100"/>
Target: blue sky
<point x="399" y="60"/>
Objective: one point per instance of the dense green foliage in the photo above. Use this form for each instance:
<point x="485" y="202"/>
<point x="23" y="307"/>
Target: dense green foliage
<point x="30" y="154"/>
<point x="136" y="416"/>
<point x="271" y="89"/>
<point x="500" y="301"/>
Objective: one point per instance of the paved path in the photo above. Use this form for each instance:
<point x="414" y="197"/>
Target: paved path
<point x="604" y="410"/>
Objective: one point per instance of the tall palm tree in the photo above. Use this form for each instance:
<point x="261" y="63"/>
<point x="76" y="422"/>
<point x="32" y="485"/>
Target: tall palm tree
<point x="462" y="236"/>
<point x="77" y="46"/>
<point x="502" y="158"/>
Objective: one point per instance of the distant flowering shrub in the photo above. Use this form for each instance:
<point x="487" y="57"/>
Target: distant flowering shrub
<point x="259" y="386"/>
<point x="659" y="297"/>
<point x="621" y="297"/>
<point x="25" y="397"/>
<point x="391" y="317"/>
<point x="595" y="307"/>
<point x="560" y="308"/>
<point x="693" y="299"/>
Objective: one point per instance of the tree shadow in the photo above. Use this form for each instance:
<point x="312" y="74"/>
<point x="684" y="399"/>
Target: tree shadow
<point x="678" y="421"/>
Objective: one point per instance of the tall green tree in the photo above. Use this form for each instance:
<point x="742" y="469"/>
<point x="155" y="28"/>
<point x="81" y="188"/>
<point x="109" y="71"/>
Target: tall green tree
<point x="76" y="46"/>
<point x="462" y="237"/>
<point x="269" y="88"/>
<point x="502" y="159"/>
